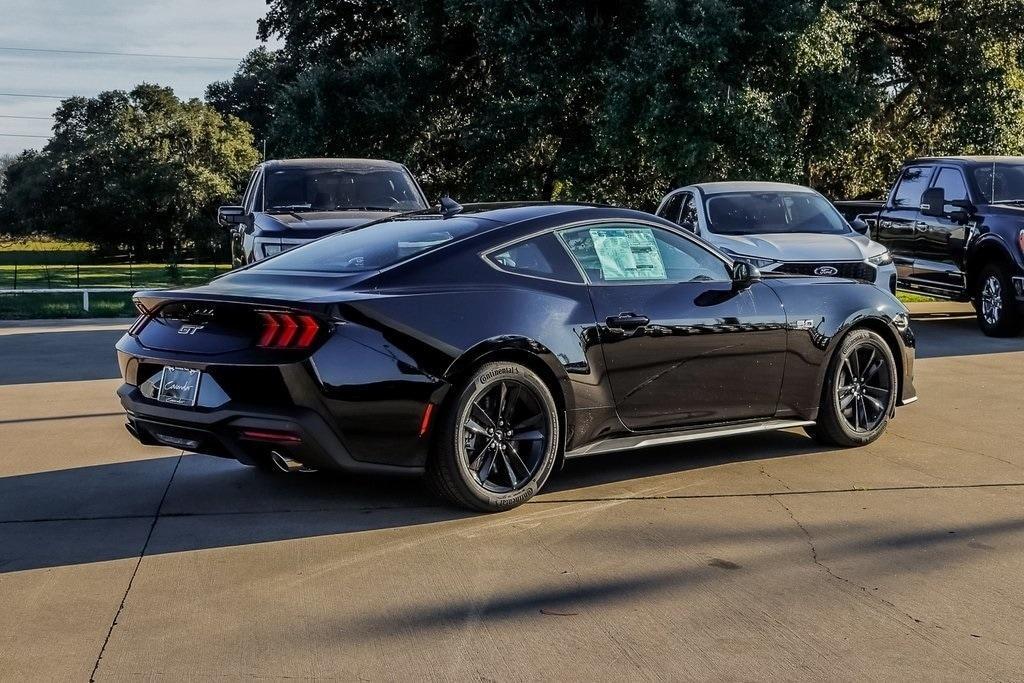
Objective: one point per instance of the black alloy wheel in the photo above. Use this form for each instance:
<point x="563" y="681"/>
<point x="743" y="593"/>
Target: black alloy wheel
<point x="498" y="442"/>
<point x="505" y="436"/>
<point x="864" y="390"/>
<point x="860" y="390"/>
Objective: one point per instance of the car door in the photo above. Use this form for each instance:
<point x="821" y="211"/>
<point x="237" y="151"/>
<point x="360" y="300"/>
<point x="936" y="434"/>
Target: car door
<point x="900" y="221"/>
<point x="941" y="243"/>
<point x="682" y="344"/>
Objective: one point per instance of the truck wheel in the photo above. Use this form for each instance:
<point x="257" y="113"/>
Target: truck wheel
<point x="995" y="304"/>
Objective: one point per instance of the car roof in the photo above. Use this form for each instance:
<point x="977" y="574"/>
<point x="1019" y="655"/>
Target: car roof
<point x="980" y="159"/>
<point x="350" y="164"/>
<point x="748" y="186"/>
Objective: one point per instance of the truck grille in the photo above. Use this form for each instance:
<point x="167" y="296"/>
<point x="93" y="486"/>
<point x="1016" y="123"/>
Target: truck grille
<point x="857" y="270"/>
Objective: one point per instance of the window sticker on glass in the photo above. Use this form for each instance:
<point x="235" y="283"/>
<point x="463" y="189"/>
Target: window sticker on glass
<point x="628" y="253"/>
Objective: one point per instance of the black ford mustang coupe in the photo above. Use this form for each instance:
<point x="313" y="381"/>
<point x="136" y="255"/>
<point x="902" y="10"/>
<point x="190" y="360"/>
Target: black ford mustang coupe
<point x="483" y="346"/>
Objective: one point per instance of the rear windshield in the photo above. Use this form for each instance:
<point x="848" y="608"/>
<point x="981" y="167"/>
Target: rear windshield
<point x="338" y="189"/>
<point x="763" y="213"/>
<point x="373" y="247"/>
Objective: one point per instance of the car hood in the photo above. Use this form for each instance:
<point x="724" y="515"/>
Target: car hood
<point x="800" y="246"/>
<point x="308" y="224"/>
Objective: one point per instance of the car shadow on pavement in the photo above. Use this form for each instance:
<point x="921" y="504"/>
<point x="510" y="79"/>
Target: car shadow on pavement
<point x="107" y="512"/>
<point x="65" y="356"/>
<point x="625" y="466"/>
<point x="940" y="336"/>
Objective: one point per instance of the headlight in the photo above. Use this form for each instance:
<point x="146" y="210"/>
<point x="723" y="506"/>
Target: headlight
<point x="883" y="259"/>
<point x="271" y="249"/>
<point x="756" y="261"/>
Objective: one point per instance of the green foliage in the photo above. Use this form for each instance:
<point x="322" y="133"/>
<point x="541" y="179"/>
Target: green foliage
<point x="617" y="101"/>
<point x="139" y="170"/>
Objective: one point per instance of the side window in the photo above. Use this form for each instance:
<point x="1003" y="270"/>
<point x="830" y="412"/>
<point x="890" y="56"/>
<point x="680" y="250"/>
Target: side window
<point x="688" y="216"/>
<point x="913" y="182"/>
<point x="952" y="183"/>
<point x="671" y="210"/>
<point x="249" y="189"/>
<point x="635" y="253"/>
<point x="541" y="256"/>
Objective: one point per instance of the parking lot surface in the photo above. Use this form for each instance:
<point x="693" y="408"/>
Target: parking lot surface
<point x="746" y="558"/>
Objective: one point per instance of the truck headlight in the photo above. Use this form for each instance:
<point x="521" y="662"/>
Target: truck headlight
<point x="756" y="261"/>
<point x="271" y="249"/>
<point x="883" y="259"/>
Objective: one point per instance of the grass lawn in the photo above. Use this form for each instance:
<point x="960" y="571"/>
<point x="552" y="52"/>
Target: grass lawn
<point x="69" y="305"/>
<point x="139" y="275"/>
<point x="909" y="297"/>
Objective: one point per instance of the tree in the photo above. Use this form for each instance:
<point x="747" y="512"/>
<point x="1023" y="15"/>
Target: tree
<point x="617" y="101"/>
<point x="252" y="93"/>
<point x="139" y="170"/>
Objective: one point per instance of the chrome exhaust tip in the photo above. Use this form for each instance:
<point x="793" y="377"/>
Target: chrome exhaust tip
<point x="287" y="465"/>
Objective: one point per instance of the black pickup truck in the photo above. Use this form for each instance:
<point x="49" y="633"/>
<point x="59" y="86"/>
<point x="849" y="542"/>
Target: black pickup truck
<point x="955" y="227"/>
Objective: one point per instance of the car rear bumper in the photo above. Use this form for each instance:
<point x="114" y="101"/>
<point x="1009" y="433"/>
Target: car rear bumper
<point x="245" y="433"/>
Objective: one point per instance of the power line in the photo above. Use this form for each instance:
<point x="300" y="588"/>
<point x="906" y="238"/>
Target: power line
<point x="25" y="94"/>
<point x="19" y="135"/>
<point x="119" y="54"/>
<point x="37" y="118"/>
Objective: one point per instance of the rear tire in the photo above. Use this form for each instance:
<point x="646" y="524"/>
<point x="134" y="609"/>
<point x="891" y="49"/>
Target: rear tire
<point x="995" y="303"/>
<point x="859" y="393"/>
<point x="498" y="441"/>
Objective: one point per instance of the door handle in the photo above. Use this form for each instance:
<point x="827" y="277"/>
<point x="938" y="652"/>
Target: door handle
<point x="627" y="321"/>
<point x="920" y="226"/>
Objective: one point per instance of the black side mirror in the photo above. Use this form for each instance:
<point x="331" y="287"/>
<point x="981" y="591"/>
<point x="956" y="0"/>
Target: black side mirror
<point x="933" y="202"/>
<point x="860" y="225"/>
<point x="744" y="274"/>
<point x="965" y="209"/>
<point x="230" y="216"/>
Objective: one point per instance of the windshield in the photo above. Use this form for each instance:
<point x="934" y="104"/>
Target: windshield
<point x="1001" y="182"/>
<point x="373" y="247"/>
<point x="336" y="189"/>
<point x="758" y="213"/>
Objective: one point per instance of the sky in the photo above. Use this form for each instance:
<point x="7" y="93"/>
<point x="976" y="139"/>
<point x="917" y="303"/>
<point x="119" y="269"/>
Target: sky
<point x="188" y="28"/>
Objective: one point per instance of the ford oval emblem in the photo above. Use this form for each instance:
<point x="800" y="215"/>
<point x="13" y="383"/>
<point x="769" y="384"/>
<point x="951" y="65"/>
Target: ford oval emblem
<point x="826" y="270"/>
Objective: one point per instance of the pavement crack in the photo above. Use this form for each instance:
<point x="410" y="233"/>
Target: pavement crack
<point x="773" y="478"/>
<point x="135" y="571"/>
<point x="954" y="448"/>
<point x="863" y="589"/>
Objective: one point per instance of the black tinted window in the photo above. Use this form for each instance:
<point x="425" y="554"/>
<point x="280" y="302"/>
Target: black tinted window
<point x="952" y="183"/>
<point x="338" y="189"/>
<point x="541" y="256"/>
<point x="671" y="210"/>
<point x="371" y="248"/>
<point x="763" y="213"/>
<point x="1000" y="182"/>
<point x="913" y="182"/>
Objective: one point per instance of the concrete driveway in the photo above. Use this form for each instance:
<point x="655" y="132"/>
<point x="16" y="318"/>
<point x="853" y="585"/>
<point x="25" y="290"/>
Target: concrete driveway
<point x="747" y="558"/>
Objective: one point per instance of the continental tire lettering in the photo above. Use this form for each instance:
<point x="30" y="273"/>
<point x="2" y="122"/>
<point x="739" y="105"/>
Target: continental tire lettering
<point x="517" y="499"/>
<point x="499" y="371"/>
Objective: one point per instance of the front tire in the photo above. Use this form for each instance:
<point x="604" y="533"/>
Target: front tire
<point x="994" y="301"/>
<point x="859" y="393"/>
<point x="498" y="441"/>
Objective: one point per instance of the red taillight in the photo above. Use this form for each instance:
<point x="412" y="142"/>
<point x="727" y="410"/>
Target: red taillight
<point x="271" y="435"/>
<point x="284" y="330"/>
